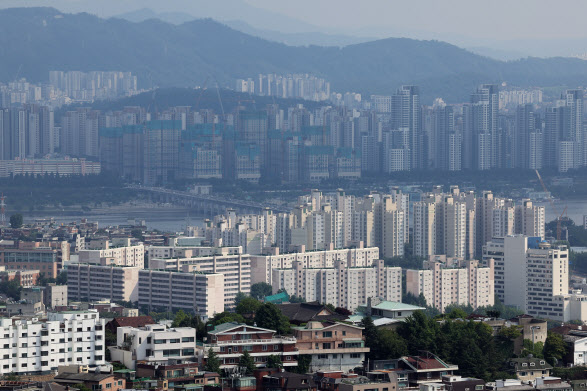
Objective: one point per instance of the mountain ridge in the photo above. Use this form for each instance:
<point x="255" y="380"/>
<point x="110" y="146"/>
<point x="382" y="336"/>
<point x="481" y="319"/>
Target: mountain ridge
<point x="36" y="40"/>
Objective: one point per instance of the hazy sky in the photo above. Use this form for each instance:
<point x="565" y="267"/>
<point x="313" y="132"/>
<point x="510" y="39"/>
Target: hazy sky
<point x="488" y="19"/>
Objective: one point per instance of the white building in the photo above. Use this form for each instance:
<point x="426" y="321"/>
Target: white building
<point x="532" y="275"/>
<point x="341" y="286"/>
<point x="40" y="346"/>
<point x="236" y="269"/>
<point x="203" y="294"/>
<point x="125" y="255"/>
<point x="154" y="343"/>
<point x="97" y="282"/>
<point x="452" y="281"/>
<point x="262" y="266"/>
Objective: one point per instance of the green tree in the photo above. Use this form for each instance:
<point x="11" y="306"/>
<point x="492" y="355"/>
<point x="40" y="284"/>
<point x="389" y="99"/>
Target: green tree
<point x="535" y="349"/>
<point x="212" y="362"/>
<point x="371" y="337"/>
<point x="248" y="305"/>
<point x="246" y="364"/>
<point x="510" y="333"/>
<point x="296" y="299"/>
<point x="226" y="317"/>
<point x="11" y="289"/>
<point x="260" y="290"/>
<point x="16" y="221"/>
<point x="304" y="361"/>
<point x="274" y="361"/>
<point x="182" y="319"/>
<point x="554" y="348"/>
<point x="61" y="278"/>
<point x="239" y="297"/>
<point x="457" y="313"/>
<point x="390" y="345"/>
<point x="109" y="338"/>
<point x="270" y="317"/>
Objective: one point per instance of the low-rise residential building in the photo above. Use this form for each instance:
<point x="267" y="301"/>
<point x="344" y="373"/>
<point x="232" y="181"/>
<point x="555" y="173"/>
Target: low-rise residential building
<point x="341" y="286"/>
<point x="384" y="313"/>
<point x="452" y="281"/>
<point x="230" y="340"/>
<point x="415" y="370"/>
<point x="287" y="381"/>
<point x="55" y="295"/>
<point x="531" y="329"/>
<point x="529" y="368"/>
<point x="128" y="321"/>
<point x="25" y="278"/>
<point x="262" y="266"/>
<point x="458" y="383"/>
<point x="302" y="313"/>
<point x="333" y="346"/>
<point x="96" y="282"/>
<point x="170" y="376"/>
<point x="93" y="381"/>
<point x="153" y="343"/>
<point x="203" y="294"/>
<point x="41" y="346"/>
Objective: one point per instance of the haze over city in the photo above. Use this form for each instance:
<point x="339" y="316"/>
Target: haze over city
<point x="262" y="195"/>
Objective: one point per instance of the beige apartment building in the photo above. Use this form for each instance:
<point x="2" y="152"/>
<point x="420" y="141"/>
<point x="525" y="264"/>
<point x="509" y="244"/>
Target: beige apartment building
<point x="341" y="286"/>
<point x="333" y="346"/>
<point x="236" y="269"/>
<point x="199" y="293"/>
<point x="96" y="282"/>
<point x="452" y="281"/>
<point x="262" y="266"/>
<point x="117" y="253"/>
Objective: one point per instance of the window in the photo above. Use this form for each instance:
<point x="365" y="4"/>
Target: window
<point x="108" y="385"/>
<point x="327" y="334"/>
<point x="160" y="341"/>
<point x="187" y="339"/>
<point x="187" y="352"/>
<point x="479" y="388"/>
<point x="174" y="340"/>
<point x="326" y="345"/>
<point x="264" y="347"/>
<point x="275" y="347"/>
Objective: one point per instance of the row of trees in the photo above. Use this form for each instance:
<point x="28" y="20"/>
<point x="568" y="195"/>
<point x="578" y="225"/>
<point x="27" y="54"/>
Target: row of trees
<point x="468" y="344"/>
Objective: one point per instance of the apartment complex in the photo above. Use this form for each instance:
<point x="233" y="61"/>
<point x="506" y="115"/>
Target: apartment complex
<point x="341" y="286"/>
<point x="447" y="281"/>
<point x="458" y="224"/>
<point x="154" y="343"/>
<point x="230" y="340"/>
<point x="333" y="346"/>
<point x="262" y="266"/>
<point x="203" y="294"/>
<point x="236" y="269"/>
<point x="41" y="346"/>
<point x="96" y="282"/>
<point x="57" y="167"/>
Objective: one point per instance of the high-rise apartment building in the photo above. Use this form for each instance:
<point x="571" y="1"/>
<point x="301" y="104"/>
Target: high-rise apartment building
<point x="445" y="281"/>
<point x="341" y="286"/>
<point x="529" y="274"/>
<point x="36" y="346"/>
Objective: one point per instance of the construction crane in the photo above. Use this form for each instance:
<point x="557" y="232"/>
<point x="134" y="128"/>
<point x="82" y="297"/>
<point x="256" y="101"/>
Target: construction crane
<point x="559" y="217"/>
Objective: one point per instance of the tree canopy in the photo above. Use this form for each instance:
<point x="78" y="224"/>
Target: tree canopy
<point x="260" y="290"/>
<point x="269" y="316"/>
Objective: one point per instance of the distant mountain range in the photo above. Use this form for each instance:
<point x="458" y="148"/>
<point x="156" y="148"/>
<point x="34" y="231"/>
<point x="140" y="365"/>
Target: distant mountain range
<point x="36" y="40"/>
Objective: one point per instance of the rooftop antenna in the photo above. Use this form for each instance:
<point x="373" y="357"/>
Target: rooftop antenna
<point x="2" y="211"/>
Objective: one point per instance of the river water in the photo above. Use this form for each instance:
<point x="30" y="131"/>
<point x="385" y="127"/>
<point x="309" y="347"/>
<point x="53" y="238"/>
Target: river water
<point x="175" y="219"/>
